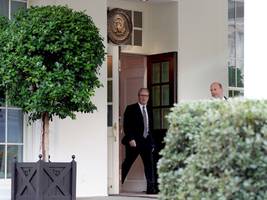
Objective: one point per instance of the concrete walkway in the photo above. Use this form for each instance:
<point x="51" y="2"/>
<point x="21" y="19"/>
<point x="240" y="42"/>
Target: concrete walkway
<point x="124" y="196"/>
<point x="119" y="198"/>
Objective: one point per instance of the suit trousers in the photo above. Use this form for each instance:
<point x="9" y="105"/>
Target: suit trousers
<point x="143" y="149"/>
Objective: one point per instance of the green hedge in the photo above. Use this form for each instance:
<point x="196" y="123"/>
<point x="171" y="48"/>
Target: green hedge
<point x="215" y="150"/>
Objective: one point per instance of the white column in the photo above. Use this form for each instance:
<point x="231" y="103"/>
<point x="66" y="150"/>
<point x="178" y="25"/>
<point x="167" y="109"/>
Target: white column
<point x="255" y="33"/>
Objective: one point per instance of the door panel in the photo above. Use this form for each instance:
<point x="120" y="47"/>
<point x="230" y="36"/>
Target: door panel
<point x="162" y="83"/>
<point x="132" y="78"/>
<point x="113" y="119"/>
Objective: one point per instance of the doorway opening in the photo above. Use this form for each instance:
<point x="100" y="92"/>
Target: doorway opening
<point x="159" y="74"/>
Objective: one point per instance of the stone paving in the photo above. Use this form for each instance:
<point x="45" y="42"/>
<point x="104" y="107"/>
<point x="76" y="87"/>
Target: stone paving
<point x="125" y="196"/>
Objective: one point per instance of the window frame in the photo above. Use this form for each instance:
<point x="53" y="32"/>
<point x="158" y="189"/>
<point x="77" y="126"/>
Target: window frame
<point x="237" y="22"/>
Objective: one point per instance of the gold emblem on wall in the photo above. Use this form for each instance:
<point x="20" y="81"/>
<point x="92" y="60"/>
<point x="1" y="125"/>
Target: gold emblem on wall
<point x="119" y="26"/>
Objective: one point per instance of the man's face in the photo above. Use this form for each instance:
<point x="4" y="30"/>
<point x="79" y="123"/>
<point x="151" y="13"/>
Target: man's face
<point x="216" y="91"/>
<point x="143" y="97"/>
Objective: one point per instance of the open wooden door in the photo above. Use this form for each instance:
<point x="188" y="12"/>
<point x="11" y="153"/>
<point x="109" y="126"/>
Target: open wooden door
<point x="162" y="83"/>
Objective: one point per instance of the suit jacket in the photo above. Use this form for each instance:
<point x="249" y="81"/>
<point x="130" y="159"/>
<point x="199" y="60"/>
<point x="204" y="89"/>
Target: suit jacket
<point x="133" y="124"/>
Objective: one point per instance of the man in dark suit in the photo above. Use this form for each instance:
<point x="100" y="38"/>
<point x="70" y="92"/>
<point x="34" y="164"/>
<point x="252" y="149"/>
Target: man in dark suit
<point x="137" y="125"/>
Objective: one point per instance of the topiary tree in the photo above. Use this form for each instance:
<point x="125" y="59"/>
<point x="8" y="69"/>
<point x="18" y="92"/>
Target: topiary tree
<point x="52" y="57"/>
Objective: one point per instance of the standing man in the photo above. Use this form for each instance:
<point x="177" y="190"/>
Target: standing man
<point x="216" y="91"/>
<point x="137" y="126"/>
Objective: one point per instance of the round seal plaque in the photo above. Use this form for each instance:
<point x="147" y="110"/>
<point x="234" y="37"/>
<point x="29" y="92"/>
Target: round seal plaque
<point x="119" y="26"/>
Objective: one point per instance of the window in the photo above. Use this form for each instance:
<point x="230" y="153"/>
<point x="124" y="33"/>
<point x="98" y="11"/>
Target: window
<point x="162" y="86"/>
<point x="11" y="118"/>
<point x="236" y="47"/>
<point x="9" y="7"/>
<point x="136" y="37"/>
<point x="11" y="138"/>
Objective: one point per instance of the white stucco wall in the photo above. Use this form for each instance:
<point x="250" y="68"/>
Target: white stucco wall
<point x="160" y="24"/>
<point x="86" y="137"/>
<point x="202" y="42"/>
<point x="163" y="28"/>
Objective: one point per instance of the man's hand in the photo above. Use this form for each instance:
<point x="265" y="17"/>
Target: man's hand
<point x="132" y="143"/>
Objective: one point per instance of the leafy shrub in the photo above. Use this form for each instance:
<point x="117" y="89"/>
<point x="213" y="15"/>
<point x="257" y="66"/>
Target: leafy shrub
<point x="3" y="26"/>
<point x="215" y="150"/>
<point x="3" y="23"/>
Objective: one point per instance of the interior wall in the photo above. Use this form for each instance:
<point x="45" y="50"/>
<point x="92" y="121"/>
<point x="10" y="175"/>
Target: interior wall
<point x="85" y="137"/>
<point x="202" y="55"/>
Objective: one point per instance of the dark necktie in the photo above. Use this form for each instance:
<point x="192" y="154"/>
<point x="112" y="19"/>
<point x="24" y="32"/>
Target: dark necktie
<point x="145" y="134"/>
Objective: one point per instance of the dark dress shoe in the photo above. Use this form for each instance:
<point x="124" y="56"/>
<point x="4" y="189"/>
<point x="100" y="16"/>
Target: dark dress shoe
<point x="151" y="191"/>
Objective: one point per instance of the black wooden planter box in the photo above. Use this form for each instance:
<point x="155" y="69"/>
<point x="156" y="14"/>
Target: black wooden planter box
<point x="43" y="180"/>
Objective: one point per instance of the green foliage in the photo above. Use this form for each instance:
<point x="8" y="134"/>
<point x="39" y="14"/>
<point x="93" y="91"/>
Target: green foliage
<point x="3" y="27"/>
<point x="215" y="150"/>
<point x="3" y="23"/>
<point x="50" y="61"/>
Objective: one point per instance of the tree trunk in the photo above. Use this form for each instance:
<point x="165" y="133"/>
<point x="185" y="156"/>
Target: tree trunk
<point x="45" y="136"/>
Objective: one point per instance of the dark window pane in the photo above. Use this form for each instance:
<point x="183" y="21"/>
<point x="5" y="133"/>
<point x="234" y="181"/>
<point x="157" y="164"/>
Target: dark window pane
<point x="156" y="95"/>
<point x="109" y="66"/>
<point x="15" y="6"/>
<point x="236" y="93"/>
<point x="4" y="8"/>
<point x="13" y="151"/>
<point x="239" y="9"/>
<point x="156" y="117"/>
<point x="165" y="72"/>
<point x="2" y="161"/>
<point x="2" y="97"/>
<point x="232" y="77"/>
<point x="230" y="93"/>
<point x="110" y="91"/>
<point x="231" y="9"/>
<point x="137" y="37"/>
<point x="2" y="124"/>
<point x="165" y="123"/>
<point x="14" y="125"/>
<point x="138" y="19"/>
<point x="110" y="113"/>
<point x="156" y="73"/>
<point x="165" y="95"/>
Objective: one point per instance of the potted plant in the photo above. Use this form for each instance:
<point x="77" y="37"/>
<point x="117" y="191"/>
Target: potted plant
<point x="49" y="63"/>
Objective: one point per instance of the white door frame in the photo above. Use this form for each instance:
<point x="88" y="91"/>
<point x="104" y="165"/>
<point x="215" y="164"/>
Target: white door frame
<point x="113" y="132"/>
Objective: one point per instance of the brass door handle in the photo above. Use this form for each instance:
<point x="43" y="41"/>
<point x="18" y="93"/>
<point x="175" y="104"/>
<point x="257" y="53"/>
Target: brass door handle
<point x="114" y="130"/>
